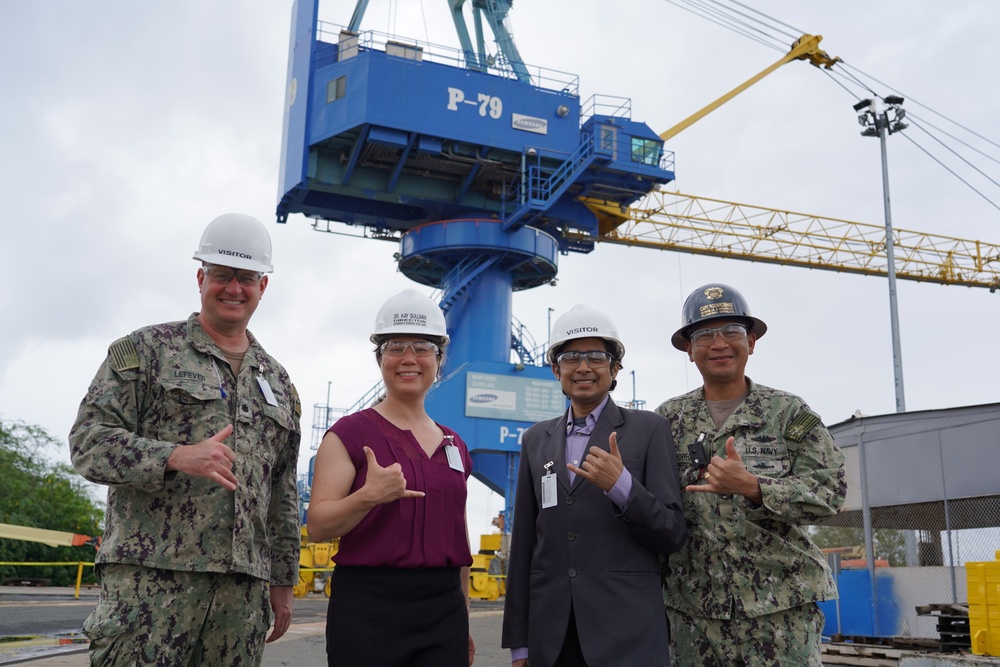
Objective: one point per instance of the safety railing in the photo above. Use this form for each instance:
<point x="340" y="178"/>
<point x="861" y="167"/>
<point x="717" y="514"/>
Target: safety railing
<point x="496" y="65"/>
<point x="79" y="570"/>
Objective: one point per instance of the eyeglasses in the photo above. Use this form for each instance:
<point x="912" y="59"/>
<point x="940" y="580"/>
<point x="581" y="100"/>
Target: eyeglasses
<point x="222" y="275"/>
<point x="594" y="358"/>
<point x="421" y="348"/>
<point x="729" y="332"/>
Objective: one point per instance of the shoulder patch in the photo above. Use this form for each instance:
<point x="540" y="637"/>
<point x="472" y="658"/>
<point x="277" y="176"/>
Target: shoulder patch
<point x="123" y="355"/>
<point x="296" y="403"/>
<point x="800" y="426"/>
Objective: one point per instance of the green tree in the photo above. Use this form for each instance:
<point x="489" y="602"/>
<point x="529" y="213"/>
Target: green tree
<point x="38" y="493"/>
<point x="889" y="544"/>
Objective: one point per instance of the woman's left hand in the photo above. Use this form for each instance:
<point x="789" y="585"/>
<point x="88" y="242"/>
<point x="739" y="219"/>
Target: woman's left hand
<point x="472" y="650"/>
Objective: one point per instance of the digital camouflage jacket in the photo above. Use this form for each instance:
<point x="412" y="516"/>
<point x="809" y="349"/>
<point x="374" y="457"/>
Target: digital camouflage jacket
<point x="168" y="385"/>
<point x="757" y="560"/>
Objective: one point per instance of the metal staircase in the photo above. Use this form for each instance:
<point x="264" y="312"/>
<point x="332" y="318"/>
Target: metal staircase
<point x="540" y="187"/>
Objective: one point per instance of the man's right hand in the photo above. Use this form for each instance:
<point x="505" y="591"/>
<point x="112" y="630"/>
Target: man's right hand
<point x="209" y="458"/>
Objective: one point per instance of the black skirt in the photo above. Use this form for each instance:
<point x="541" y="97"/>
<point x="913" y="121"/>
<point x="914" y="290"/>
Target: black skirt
<point x="397" y="617"/>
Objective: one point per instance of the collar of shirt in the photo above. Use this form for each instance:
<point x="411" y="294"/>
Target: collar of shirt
<point x="588" y="428"/>
<point x="577" y="436"/>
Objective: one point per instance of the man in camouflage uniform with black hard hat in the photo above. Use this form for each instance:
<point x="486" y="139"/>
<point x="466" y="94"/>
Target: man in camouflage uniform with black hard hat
<point x="195" y="430"/>
<point x="756" y="463"/>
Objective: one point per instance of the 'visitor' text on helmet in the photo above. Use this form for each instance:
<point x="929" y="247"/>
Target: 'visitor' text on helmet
<point x="237" y="241"/>
<point x="712" y="302"/>
<point x="584" y="322"/>
<point x="410" y="312"/>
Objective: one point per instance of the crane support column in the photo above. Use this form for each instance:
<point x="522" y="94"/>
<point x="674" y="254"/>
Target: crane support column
<point x="484" y="396"/>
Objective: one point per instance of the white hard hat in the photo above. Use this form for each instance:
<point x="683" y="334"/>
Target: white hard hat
<point x="410" y="312"/>
<point x="584" y="322"/>
<point x="237" y="241"/>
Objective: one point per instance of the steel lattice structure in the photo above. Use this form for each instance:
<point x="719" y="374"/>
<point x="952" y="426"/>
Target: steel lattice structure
<point x="705" y="226"/>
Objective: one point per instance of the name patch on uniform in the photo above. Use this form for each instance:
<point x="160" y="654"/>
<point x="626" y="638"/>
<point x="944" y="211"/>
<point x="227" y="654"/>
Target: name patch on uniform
<point x="189" y="375"/>
<point x="123" y="355"/>
<point x="762" y="450"/>
<point x="801" y="425"/>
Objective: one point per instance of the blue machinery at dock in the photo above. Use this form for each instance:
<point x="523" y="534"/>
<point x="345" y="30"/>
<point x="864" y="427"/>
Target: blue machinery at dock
<point x="479" y="165"/>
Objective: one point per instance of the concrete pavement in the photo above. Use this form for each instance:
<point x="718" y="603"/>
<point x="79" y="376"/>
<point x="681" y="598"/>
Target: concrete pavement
<point x="304" y="645"/>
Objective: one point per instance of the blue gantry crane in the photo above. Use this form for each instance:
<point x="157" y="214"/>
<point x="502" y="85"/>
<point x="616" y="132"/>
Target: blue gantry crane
<point x="479" y="165"/>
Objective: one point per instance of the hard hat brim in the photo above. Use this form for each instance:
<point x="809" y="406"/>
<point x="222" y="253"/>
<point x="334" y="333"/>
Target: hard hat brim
<point x="234" y="263"/>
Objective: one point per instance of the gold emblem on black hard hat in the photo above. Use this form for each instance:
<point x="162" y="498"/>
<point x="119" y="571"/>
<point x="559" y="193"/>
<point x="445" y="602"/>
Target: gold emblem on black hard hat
<point x="713" y="293"/>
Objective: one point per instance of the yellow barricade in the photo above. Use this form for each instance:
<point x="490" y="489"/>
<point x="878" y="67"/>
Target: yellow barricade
<point x="79" y="570"/>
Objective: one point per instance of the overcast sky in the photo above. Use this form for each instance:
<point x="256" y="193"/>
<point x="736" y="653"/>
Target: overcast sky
<point x="127" y="126"/>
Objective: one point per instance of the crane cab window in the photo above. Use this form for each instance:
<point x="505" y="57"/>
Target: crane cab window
<point x="646" y="151"/>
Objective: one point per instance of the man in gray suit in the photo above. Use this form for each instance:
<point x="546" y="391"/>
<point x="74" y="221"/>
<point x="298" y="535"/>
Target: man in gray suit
<point x="598" y="502"/>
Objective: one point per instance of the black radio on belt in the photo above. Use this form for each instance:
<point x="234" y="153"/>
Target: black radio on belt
<point x="697" y="453"/>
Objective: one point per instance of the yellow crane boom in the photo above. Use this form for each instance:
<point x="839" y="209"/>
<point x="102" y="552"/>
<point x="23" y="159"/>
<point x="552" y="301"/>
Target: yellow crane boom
<point x="704" y="226"/>
<point x="805" y="47"/>
<point x="52" y="538"/>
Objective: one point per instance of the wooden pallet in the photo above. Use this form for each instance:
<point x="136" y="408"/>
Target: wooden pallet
<point x="863" y="655"/>
<point x="952" y="625"/>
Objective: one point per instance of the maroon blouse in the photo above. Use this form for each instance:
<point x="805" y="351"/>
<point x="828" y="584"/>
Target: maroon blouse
<point x="409" y="532"/>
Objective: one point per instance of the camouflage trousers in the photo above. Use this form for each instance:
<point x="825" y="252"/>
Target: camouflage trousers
<point x="168" y="618"/>
<point x="787" y="638"/>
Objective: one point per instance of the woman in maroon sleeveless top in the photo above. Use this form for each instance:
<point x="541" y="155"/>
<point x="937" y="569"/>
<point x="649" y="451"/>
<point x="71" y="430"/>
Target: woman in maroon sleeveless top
<point x="390" y="482"/>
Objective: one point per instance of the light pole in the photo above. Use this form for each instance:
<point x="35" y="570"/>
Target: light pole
<point x="878" y="124"/>
<point x="548" y="335"/>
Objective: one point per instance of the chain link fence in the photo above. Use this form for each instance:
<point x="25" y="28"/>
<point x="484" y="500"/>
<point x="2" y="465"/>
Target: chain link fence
<point x="922" y="502"/>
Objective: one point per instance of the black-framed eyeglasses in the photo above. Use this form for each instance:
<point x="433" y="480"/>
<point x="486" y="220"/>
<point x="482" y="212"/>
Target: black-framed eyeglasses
<point x="594" y="358"/>
<point x="222" y="275"/>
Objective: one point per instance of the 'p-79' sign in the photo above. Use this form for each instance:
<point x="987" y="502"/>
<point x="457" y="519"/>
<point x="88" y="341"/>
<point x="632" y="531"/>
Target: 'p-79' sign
<point x="488" y="104"/>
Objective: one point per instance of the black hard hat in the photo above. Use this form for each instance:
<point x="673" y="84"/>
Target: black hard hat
<point x="711" y="302"/>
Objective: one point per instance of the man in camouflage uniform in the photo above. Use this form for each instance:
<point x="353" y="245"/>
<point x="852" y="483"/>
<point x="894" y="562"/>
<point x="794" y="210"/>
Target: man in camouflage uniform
<point x="195" y="430"/>
<point x="756" y="462"/>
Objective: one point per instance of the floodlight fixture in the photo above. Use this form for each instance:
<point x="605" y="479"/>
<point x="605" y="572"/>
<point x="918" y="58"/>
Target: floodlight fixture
<point x="894" y="100"/>
<point x="862" y="104"/>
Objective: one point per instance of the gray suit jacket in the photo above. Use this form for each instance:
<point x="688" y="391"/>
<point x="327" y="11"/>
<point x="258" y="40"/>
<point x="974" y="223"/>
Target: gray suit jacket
<point x="586" y="553"/>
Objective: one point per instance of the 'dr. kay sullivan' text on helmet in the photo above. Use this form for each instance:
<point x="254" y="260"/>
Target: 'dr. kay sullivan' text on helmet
<point x="410" y="313"/>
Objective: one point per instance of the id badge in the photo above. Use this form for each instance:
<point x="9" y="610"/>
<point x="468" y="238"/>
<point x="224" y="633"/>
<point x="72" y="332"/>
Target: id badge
<point x="265" y="389"/>
<point x="548" y="487"/>
<point x="454" y="458"/>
